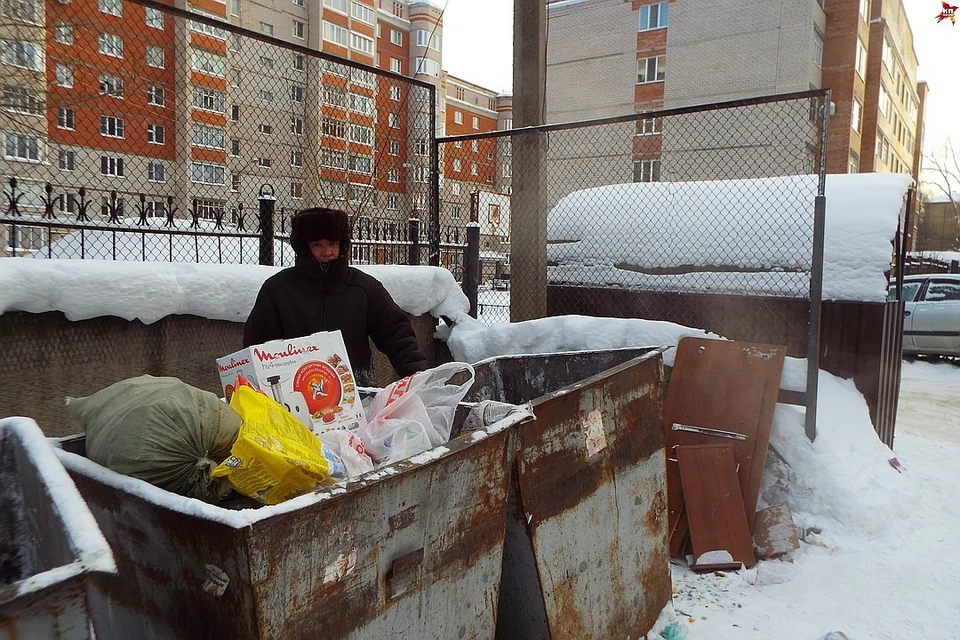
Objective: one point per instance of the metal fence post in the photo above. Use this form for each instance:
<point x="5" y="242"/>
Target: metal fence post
<point x="471" y="266"/>
<point x="267" y="204"/>
<point x="413" y="225"/>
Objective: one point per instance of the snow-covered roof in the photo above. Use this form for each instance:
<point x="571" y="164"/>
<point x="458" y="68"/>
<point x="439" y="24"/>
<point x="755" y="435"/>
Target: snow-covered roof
<point x="751" y="237"/>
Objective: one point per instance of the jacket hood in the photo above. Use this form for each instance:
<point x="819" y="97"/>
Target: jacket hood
<point x="320" y="223"/>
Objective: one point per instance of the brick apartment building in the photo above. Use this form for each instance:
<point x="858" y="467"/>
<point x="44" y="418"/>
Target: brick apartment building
<point x="113" y="96"/>
<point x="607" y="57"/>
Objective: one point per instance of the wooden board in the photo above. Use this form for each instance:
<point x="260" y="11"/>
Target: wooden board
<point x="774" y="534"/>
<point x="723" y="385"/>
<point x="714" y="504"/>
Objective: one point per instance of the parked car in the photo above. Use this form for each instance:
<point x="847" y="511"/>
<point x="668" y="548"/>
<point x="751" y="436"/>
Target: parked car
<point x="931" y="323"/>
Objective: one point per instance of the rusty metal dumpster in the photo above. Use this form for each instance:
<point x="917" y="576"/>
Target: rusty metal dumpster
<point x="414" y="549"/>
<point x="50" y="545"/>
<point x="586" y="551"/>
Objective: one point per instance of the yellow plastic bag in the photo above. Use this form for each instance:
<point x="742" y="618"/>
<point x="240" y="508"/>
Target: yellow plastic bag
<point x="275" y="457"/>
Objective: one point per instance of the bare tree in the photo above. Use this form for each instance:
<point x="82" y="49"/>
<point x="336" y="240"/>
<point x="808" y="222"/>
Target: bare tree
<point x="944" y="165"/>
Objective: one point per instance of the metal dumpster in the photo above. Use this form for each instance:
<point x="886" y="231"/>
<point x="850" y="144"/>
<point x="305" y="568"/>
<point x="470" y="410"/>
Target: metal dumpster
<point x="50" y="545"/>
<point x="414" y="549"/>
<point x="586" y="551"/>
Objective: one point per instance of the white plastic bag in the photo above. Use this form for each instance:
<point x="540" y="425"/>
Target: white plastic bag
<point x="349" y="446"/>
<point x="414" y="414"/>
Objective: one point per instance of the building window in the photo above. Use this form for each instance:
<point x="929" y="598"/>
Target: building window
<point x="64" y="76"/>
<point x="861" y="62"/>
<point x="460" y="93"/>
<point x="300" y="3"/>
<point x="395" y="94"/>
<point x="235" y="182"/>
<point x="455" y="188"/>
<point x="266" y="62"/>
<point x="206" y="29"/>
<point x="265" y="163"/>
<point x="457" y="211"/>
<point x="361" y="134"/>
<point x="234" y="112"/>
<point x="155" y="208"/>
<point x="335" y="33"/>
<point x="393" y="175"/>
<point x="298" y="61"/>
<point x="458" y="117"/>
<point x="394" y="148"/>
<point x="67" y="203"/>
<point x="111" y="166"/>
<point x="27" y="55"/>
<point x="334" y="158"/>
<point x="65" y="118"/>
<point x="476" y="122"/>
<point x="210" y="62"/>
<point x="296" y="190"/>
<point x="651" y="69"/>
<point x="22" y="9"/>
<point x="154" y="18"/>
<point x="361" y="43"/>
<point x="361" y="164"/>
<point x="817" y="49"/>
<point x="209" y="136"/>
<point x="457" y="164"/>
<point x="208" y="209"/>
<point x="111" y="127"/>
<point x="265" y="129"/>
<point x="420" y="148"/>
<point x="473" y="168"/>
<point x="474" y="146"/>
<point x="234" y="147"/>
<point x="393" y="121"/>
<point x="110" y="45"/>
<point x="865" y="10"/>
<point x="333" y="127"/>
<point x="361" y="104"/>
<point x="209" y="99"/>
<point x="649" y="127"/>
<point x="110" y="7"/>
<point x="362" y="12"/>
<point x="853" y="165"/>
<point x="299" y="30"/>
<point x="393" y="201"/>
<point x="156" y="172"/>
<point x="235" y="77"/>
<point x="646" y="171"/>
<point x="296" y="158"/>
<point x="156" y="96"/>
<point x="654" y="16"/>
<point x="67" y="160"/>
<point x="856" y="118"/>
<point x="296" y="126"/>
<point x="429" y="67"/>
<point x="396" y="37"/>
<point x="24" y="239"/>
<point x="19" y="99"/>
<point x="396" y="66"/>
<point x="296" y="93"/>
<point x="63" y="33"/>
<point x="266" y="96"/>
<point x="208" y="173"/>
<point x="336" y="5"/>
<point x="429" y="39"/>
<point x="266" y="28"/>
<point x="21" y="146"/>
<point x="506" y="125"/>
<point x="111" y="86"/>
<point x="507" y="170"/>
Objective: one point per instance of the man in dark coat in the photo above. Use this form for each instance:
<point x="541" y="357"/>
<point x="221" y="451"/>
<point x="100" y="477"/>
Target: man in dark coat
<point x="321" y="292"/>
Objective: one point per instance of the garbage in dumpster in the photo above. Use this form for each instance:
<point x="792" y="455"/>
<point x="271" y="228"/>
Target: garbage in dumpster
<point x="349" y="446"/>
<point x="275" y="457"/>
<point x="415" y="413"/>
<point x="160" y="430"/>
<point x="311" y="377"/>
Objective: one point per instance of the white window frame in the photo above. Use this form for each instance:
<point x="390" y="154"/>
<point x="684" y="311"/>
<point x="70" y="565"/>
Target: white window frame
<point x="654" y="16"/>
<point x="396" y="66"/>
<point x="153" y="93"/>
<point x="296" y="158"/>
<point x="340" y="6"/>
<point x="111" y="166"/>
<point x="25" y="55"/>
<point x="111" y="86"/>
<point x="67" y="160"/>
<point x="856" y="115"/>
<point x="266" y="28"/>
<point x="206" y="173"/>
<point x="458" y="117"/>
<point x="207" y="99"/>
<point x="395" y="93"/>
<point x="297" y="93"/>
<point x="156" y="134"/>
<point x="296" y="125"/>
<point x="361" y="43"/>
<point x="154" y="18"/>
<point x="110" y="45"/>
<point x="110" y="7"/>
<point x="296" y="190"/>
<point x="335" y="33"/>
<point x="817" y="49"/>
<point x="208" y="136"/>
<point x="396" y="37"/>
<point x="31" y="145"/>
<point x="66" y="118"/>
<point x="860" y="62"/>
<point x="654" y="66"/>
<point x="112" y="127"/>
<point x="394" y="148"/>
<point x="360" y="134"/>
<point x="63" y="32"/>
<point x="209" y="63"/>
<point x="428" y="39"/>
<point x="476" y="123"/>
<point x="153" y="169"/>
<point x="647" y="170"/>
<point x="299" y="30"/>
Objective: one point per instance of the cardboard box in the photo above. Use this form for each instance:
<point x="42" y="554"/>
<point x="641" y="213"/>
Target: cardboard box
<point x="310" y="376"/>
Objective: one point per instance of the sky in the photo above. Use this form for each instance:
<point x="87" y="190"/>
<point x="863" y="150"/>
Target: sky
<point x="478" y="43"/>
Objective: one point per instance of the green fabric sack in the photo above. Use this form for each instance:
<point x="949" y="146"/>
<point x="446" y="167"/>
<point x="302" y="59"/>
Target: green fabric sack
<point x="160" y="430"/>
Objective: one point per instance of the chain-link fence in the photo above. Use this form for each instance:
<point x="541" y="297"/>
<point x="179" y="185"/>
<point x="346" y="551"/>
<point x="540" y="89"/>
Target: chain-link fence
<point x="139" y="131"/>
<point x="703" y="216"/>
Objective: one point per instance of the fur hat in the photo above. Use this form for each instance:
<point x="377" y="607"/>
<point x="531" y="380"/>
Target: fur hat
<point x="319" y="223"/>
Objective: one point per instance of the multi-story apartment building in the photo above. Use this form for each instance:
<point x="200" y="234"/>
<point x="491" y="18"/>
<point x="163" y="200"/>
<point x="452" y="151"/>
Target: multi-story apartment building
<point x="113" y="96"/>
<point x="687" y="53"/>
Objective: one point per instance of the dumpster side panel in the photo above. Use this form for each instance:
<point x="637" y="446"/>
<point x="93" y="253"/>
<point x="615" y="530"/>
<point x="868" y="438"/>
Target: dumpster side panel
<point x="416" y="555"/>
<point x="591" y="472"/>
<point x="162" y="557"/>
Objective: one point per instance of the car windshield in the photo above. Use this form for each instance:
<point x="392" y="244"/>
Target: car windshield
<point x="909" y="292"/>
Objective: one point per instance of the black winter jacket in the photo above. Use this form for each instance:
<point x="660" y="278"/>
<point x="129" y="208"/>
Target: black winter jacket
<point x="307" y="298"/>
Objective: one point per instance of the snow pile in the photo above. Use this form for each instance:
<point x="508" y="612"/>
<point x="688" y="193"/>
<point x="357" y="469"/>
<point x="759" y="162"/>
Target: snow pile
<point x="148" y="291"/>
<point x="472" y="341"/>
<point x="734" y="236"/>
<point x="842" y="482"/>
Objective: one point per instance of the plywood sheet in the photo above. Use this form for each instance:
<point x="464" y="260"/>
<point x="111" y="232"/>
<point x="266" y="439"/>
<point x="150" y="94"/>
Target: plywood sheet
<point x="728" y="386"/>
<point x="774" y="534"/>
<point x="714" y="504"/>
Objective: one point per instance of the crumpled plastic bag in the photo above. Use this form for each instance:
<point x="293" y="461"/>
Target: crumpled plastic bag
<point x="349" y="446"/>
<point x="275" y="457"/>
<point x="414" y="414"/>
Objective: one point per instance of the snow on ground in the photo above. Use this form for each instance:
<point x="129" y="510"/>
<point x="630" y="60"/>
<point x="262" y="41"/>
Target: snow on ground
<point x="888" y="568"/>
<point x="760" y="229"/>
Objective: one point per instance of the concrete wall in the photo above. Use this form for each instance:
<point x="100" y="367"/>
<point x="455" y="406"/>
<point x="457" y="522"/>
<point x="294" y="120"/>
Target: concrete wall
<point x="47" y="357"/>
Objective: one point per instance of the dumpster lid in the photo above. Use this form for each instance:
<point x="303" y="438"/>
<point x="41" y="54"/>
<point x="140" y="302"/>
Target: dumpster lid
<point x="90" y="550"/>
<point x="241" y="518"/>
